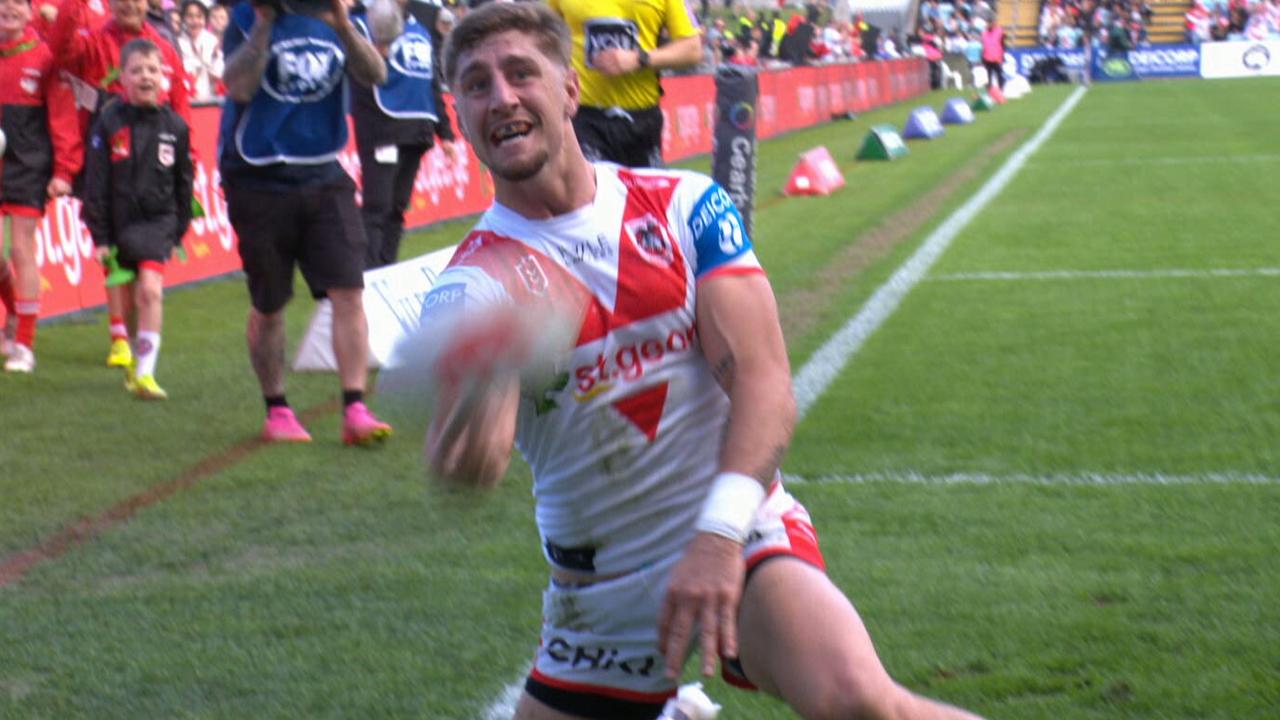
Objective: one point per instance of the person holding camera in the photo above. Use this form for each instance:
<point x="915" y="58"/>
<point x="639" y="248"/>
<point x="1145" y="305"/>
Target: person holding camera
<point x="289" y="201"/>
<point x="396" y="123"/>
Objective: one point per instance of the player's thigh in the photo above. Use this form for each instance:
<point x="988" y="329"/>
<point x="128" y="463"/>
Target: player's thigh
<point x="801" y="639"/>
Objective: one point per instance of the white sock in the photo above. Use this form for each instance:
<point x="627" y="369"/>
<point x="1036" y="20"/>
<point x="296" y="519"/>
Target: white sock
<point x="146" y="349"/>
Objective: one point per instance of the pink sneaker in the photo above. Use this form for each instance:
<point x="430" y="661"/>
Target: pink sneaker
<point x="283" y="426"/>
<point x="360" y="427"/>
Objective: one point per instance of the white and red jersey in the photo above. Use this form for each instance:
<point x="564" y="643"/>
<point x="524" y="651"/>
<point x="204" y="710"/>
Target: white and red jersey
<point x="624" y="443"/>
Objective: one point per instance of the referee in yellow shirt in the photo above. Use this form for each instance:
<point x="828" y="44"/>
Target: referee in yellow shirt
<point x="616" y="55"/>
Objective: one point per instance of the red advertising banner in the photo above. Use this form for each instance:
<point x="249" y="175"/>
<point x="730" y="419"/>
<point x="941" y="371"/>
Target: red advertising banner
<point x="789" y="99"/>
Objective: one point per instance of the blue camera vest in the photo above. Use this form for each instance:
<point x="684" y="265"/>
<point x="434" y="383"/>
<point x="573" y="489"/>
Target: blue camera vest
<point x="298" y="116"/>
<point x="410" y="67"/>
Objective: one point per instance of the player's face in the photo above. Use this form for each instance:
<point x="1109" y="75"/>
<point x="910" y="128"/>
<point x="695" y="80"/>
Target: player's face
<point x="129" y="14"/>
<point x="514" y="104"/>
<point x="141" y="78"/>
<point x="14" y="16"/>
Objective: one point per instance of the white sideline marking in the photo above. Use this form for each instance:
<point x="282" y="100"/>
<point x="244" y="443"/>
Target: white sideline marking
<point x="1109" y="274"/>
<point x="1099" y="479"/>
<point x="1186" y="160"/>
<point x="825" y="364"/>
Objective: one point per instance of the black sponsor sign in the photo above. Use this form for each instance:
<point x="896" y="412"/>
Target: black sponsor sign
<point x="734" y="143"/>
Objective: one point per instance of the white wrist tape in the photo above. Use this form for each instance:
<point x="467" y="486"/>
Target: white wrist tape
<point x="731" y="506"/>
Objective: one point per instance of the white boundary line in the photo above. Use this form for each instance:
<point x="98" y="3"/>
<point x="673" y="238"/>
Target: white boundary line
<point x="1187" y="160"/>
<point x="1171" y="273"/>
<point x="909" y="477"/>
<point x="823" y="367"/>
<point x="825" y="364"/>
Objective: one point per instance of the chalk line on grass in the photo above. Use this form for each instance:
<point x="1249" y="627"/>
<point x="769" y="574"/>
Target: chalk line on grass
<point x="826" y="364"/>
<point x="821" y="369"/>
<point x="1165" y="274"/>
<point x="908" y="477"/>
<point x="1172" y="160"/>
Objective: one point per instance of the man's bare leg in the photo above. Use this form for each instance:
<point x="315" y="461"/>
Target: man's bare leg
<point x="350" y="337"/>
<point x="265" y="335"/>
<point x="825" y="669"/>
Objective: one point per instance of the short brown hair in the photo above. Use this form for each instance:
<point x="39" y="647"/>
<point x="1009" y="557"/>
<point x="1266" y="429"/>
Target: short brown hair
<point x="532" y="18"/>
<point x="137" y="46"/>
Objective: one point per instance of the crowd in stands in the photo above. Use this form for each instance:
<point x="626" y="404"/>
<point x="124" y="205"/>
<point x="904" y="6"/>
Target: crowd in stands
<point x="778" y="38"/>
<point x="1213" y="20"/>
<point x="1111" y="24"/>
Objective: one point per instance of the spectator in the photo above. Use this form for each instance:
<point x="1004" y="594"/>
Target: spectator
<point x="218" y="17"/>
<point x="797" y="46"/>
<point x="160" y="20"/>
<point x="993" y="46"/>
<point x="617" y="58"/>
<point x="201" y="52"/>
<point x="290" y="202"/>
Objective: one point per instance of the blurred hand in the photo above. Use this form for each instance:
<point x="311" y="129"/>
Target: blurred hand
<point x="58" y="188"/>
<point x="101" y="252"/>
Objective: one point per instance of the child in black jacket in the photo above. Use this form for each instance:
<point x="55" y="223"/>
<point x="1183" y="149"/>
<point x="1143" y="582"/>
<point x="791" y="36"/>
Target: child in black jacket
<point x="138" y="176"/>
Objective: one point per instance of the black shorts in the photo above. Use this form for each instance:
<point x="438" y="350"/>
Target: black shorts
<point x="632" y="138"/>
<point x="316" y="228"/>
<point x="149" y="240"/>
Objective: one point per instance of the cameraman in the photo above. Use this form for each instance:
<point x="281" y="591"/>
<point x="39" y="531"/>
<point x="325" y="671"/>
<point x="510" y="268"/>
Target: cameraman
<point x="289" y="201"/>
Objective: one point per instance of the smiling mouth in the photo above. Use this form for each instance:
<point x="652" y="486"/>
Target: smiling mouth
<point x="509" y="131"/>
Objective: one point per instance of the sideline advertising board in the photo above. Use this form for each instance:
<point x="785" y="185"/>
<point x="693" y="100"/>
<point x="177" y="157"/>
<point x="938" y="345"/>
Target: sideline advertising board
<point x="71" y="280"/>
<point x="1240" y="58"/>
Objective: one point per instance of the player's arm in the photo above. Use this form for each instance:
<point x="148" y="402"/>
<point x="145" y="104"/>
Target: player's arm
<point x="64" y="133"/>
<point x="738" y="328"/>
<point x="69" y="34"/>
<point x="96" y="206"/>
<point x="184" y="183"/>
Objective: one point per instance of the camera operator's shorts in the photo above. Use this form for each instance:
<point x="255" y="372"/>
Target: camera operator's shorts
<point x="598" y="656"/>
<point x="315" y="228"/>
<point x="631" y="138"/>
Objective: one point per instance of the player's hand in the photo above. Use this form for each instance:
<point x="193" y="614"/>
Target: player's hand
<point x="616" y="61"/>
<point x="58" y="188"/>
<point x="49" y="12"/>
<point x="101" y="252"/>
<point x="266" y="10"/>
<point x="706" y="586"/>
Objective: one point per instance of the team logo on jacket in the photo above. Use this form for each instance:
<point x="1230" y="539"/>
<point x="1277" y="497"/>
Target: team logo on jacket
<point x="165" y="154"/>
<point x="121" y="144"/>
<point x="303" y="70"/>
<point x="30" y="85"/>
<point x="608" y="34"/>
<point x="411" y="55"/>
<point x="651" y="239"/>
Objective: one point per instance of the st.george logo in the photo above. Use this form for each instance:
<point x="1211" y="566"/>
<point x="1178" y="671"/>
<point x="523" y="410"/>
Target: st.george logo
<point x="303" y="70"/>
<point x="411" y="55"/>
<point x="650" y="237"/>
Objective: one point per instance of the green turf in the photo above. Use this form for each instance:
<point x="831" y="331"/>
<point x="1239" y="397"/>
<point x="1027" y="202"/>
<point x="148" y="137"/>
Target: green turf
<point x="321" y="581"/>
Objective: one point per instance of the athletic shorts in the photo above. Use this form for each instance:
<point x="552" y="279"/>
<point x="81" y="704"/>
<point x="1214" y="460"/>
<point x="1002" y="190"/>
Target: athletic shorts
<point x="316" y="229"/>
<point x="150" y="241"/>
<point x="632" y="138"/>
<point x="598" y="655"/>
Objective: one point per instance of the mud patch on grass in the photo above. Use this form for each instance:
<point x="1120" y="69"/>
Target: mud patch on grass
<point x="800" y="309"/>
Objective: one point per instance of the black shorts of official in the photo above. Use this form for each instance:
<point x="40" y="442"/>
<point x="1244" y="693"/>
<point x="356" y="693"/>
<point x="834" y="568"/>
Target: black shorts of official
<point x="146" y="241"/>
<point x="995" y="73"/>
<point x="591" y="706"/>
<point x="316" y="229"/>
<point x="632" y="138"/>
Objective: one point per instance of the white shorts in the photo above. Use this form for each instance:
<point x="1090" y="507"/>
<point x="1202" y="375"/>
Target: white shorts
<point x="598" y="655"/>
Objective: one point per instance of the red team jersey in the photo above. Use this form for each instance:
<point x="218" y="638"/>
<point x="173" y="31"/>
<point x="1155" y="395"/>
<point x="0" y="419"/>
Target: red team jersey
<point x="37" y="113"/>
<point x="624" y="445"/>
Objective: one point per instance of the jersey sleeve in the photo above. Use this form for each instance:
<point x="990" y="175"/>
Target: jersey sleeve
<point x="461" y="288"/>
<point x="680" y="23"/>
<point x="712" y="233"/>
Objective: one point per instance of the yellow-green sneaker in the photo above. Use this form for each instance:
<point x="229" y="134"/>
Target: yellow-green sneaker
<point x="130" y="377"/>
<point x="146" y="388"/>
<point x="120" y="355"/>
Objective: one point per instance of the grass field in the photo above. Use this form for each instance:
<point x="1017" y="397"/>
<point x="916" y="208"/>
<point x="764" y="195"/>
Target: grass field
<point x="1049" y="479"/>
